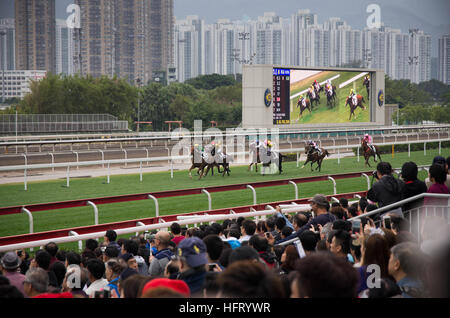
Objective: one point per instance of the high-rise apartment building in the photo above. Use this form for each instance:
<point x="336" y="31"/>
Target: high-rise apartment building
<point x="444" y="59"/>
<point x="7" y="46"/>
<point x="64" y="48"/>
<point x="128" y="38"/>
<point x="35" y="44"/>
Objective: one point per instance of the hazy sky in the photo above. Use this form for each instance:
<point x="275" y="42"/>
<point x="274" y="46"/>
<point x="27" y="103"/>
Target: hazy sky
<point x="432" y="16"/>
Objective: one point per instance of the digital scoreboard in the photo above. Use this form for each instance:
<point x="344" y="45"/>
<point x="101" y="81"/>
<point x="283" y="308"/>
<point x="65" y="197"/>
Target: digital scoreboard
<point x="281" y="96"/>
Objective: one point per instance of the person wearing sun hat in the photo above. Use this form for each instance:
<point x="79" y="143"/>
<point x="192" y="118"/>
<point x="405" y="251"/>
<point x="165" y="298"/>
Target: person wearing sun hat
<point x="193" y="258"/>
<point x="10" y="263"/>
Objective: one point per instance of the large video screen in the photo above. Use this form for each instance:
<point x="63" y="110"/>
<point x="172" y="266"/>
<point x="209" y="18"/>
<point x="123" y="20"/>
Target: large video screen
<point x="302" y="96"/>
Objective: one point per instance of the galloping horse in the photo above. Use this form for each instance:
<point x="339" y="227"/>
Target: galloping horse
<point x="368" y="152"/>
<point x="259" y="155"/>
<point x="331" y="96"/>
<point x="221" y="159"/>
<point x="314" y="157"/>
<point x="303" y="108"/>
<point x="313" y="97"/>
<point x="353" y="107"/>
<point x="254" y="154"/>
<point x="197" y="161"/>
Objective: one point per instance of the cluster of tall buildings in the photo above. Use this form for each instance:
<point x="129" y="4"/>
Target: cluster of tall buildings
<point x="140" y="41"/>
<point x="300" y="40"/>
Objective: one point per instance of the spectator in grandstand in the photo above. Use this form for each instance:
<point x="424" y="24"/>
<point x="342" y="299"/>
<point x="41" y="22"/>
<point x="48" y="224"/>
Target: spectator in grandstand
<point x="175" y="228"/>
<point x="110" y="252"/>
<point x="233" y="238"/>
<point x="413" y="186"/>
<point x="261" y="228"/>
<point x="340" y="244"/>
<point x="390" y="237"/>
<point x="165" y="288"/>
<point x="438" y="176"/>
<point x="320" y="207"/>
<point x="9" y="292"/>
<point x="261" y="245"/>
<point x="52" y="249"/>
<point x="25" y="261"/>
<point x="193" y="258"/>
<point x="342" y="225"/>
<point x="42" y="259"/>
<point x="374" y="251"/>
<point x="96" y="270"/>
<point x="36" y="282"/>
<point x="243" y="253"/>
<point x="406" y="266"/>
<point x="355" y="250"/>
<point x="362" y="204"/>
<point x="91" y="245"/>
<point x="112" y="274"/>
<point x="110" y="239"/>
<point x="399" y="224"/>
<point x="10" y="264"/>
<point x="439" y="160"/>
<point x="172" y="269"/>
<point x="286" y="231"/>
<point x="143" y="251"/>
<point x="131" y="286"/>
<point x="244" y="279"/>
<point x="325" y="230"/>
<point x="316" y="277"/>
<point x="288" y="259"/>
<point x="132" y="247"/>
<point x="352" y="210"/>
<point x="60" y="271"/>
<point x="75" y="280"/>
<point x="214" y="248"/>
<point x="72" y="258"/>
<point x="248" y="229"/>
<point x="309" y="241"/>
<point x="299" y="220"/>
<point x="159" y="261"/>
<point x="338" y="212"/>
<point x="387" y="288"/>
<point x="344" y="203"/>
<point x="376" y="218"/>
<point x="280" y="223"/>
<point x="387" y="190"/>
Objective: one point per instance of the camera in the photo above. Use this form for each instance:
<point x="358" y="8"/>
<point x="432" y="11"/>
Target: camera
<point x="356" y="225"/>
<point x="387" y="222"/>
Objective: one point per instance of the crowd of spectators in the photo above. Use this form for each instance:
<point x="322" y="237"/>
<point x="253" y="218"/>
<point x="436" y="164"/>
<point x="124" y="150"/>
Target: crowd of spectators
<point x="325" y="252"/>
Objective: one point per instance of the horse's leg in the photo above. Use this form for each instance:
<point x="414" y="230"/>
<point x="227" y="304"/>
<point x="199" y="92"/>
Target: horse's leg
<point x="190" y="169"/>
<point x="307" y="160"/>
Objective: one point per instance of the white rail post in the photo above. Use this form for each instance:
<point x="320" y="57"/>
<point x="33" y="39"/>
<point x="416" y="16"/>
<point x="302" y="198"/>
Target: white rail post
<point x="424" y="148"/>
<point x="156" y="204"/>
<point x="80" y="243"/>
<point x="139" y="224"/>
<point x="67" y="177"/>
<point x="140" y="171"/>
<point x="409" y="150"/>
<point x="357" y="150"/>
<point x="30" y="219"/>
<point x="367" y="179"/>
<point x="107" y="179"/>
<point x="171" y="168"/>
<point x="209" y="199"/>
<point x="254" y="193"/>
<point x="53" y="161"/>
<point x="334" y="184"/>
<point x="95" y="211"/>
<point x="148" y="162"/>
<point x="126" y="157"/>
<point x="76" y="154"/>
<point x="25" y="178"/>
<point x="295" y="187"/>
<point x="339" y="156"/>
<point x="103" y="158"/>
<point x="334" y="199"/>
<point x="298" y="159"/>
<point x="439" y="147"/>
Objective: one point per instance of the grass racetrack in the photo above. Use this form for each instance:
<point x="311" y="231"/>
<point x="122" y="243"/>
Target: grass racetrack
<point x="56" y="190"/>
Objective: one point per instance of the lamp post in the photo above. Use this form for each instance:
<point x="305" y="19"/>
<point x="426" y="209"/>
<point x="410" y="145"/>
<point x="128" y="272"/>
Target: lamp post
<point x="138" y="81"/>
<point x="3" y="33"/>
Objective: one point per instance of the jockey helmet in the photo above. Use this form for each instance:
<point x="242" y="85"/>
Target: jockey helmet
<point x="366" y="136"/>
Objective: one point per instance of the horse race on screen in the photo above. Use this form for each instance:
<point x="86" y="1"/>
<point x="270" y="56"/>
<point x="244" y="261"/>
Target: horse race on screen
<point x="320" y="97"/>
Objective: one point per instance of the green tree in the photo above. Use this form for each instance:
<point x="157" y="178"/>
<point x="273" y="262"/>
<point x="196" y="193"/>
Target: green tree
<point x="211" y="81"/>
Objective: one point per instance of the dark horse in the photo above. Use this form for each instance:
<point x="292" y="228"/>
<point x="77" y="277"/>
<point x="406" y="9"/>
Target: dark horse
<point x="315" y="98"/>
<point x="259" y="155"/>
<point x="368" y="152"/>
<point x="353" y="107"/>
<point x="366" y="83"/>
<point x="221" y="159"/>
<point x="314" y="157"/>
<point x="303" y="108"/>
<point x="331" y="96"/>
<point x="197" y="161"/>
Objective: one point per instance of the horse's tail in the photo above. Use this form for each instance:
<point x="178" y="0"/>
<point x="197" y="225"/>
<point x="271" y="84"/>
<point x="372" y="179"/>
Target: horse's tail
<point x="327" y="153"/>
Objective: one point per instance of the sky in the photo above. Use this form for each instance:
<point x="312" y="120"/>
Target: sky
<point x="431" y="16"/>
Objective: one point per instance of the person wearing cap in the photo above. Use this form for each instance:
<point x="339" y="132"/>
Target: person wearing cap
<point x="10" y="263"/>
<point x="320" y="206"/>
<point x="193" y="258"/>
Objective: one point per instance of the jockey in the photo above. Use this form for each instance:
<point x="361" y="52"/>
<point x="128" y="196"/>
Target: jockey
<point x="314" y="147"/>
<point x="353" y="96"/>
<point x="368" y="140"/>
<point x="302" y="100"/>
<point x="268" y="144"/>
<point x="316" y="85"/>
<point x="312" y="92"/>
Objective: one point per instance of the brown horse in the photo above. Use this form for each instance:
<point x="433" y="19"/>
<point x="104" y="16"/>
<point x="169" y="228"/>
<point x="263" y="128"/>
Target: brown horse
<point x="368" y="152"/>
<point x="353" y="107"/>
<point x="314" y="157"/>
<point x="197" y="161"/>
<point x="313" y="97"/>
<point x="221" y="159"/>
<point x="303" y="108"/>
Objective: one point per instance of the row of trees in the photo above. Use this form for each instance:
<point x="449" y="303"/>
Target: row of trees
<point x="207" y="98"/>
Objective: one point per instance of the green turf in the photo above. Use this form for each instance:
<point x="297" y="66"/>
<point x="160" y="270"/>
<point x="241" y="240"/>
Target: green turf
<point x="51" y="191"/>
